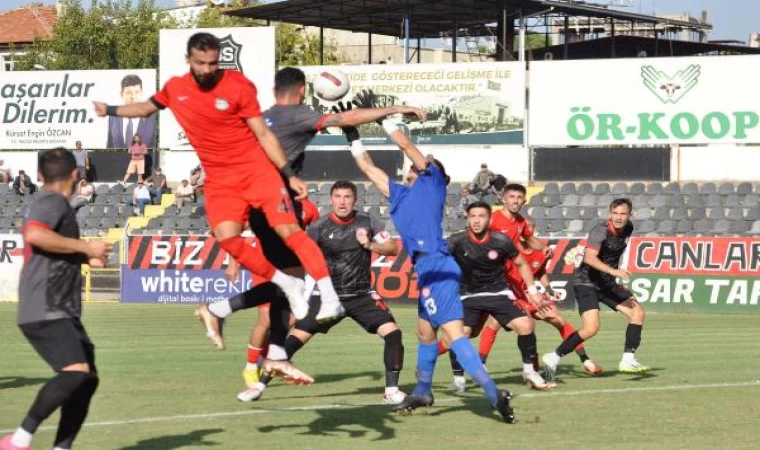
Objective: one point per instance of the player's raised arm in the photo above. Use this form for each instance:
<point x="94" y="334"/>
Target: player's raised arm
<point x="376" y="175"/>
<point x="354" y="117"/>
<point x="276" y="153"/>
<point x="405" y="144"/>
<point x="142" y="109"/>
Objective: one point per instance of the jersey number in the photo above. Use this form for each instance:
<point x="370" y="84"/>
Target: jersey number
<point x="430" y="306"/>
<point x="284" y="206"/>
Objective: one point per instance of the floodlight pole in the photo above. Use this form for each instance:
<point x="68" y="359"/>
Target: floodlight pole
<point x="406" y="39"/>
<point x="369" y="48"/>
<point x="521" y="57"/>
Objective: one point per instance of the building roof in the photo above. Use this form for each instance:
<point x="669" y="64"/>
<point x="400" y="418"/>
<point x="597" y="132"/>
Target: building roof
<point x="428" y="18"/>
<point x="21" y="25"/>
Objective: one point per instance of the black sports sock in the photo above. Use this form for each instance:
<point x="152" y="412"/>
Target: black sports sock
<point x="51" y="396"/>
<point x="582" y="355"/>
<point x="292" y="345"/>
<point x="74" y="412"/>
<point x="528" y="347"/>
<point x="393" y="357"/>
<point x="455" y="366"/>
<point x="569" y="344"/>
<point x="632" y="338"/>
<point x="256" y="296"/>
<point x="279" y="319"/>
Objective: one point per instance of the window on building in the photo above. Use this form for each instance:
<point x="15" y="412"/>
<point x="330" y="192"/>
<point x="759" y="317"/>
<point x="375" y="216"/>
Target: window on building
<point x="8" y="62"/>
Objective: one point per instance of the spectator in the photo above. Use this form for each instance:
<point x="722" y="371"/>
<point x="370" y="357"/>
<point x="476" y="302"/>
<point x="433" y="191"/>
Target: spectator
<point x="83" y="160"/>
<point x="482" y="182"/>
<point x="464" y="200"/>
<point x="23" y="185"/>
<point x="5" y="173"/>
<point x="140" y="197"/>
<point x="138" y="150"/>
<point x="82" y="195"/>
<point x="197" y="180"/>
<point x="157" y="185"/>
<point x="183" y="194"/>
<point x="498" y="184"/>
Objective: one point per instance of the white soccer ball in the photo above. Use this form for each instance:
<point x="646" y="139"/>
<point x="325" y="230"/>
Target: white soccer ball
<point x="331" y="85"/>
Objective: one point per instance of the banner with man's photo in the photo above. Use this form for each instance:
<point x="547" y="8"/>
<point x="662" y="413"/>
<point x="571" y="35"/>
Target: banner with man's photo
<point x="47" y="109"/>
<point x="247" y="49"/>
<point x="466" y="103"/>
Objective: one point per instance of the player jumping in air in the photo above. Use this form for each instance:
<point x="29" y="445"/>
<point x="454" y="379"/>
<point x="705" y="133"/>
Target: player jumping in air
<point x="50" y="304"/>
<point x="595" y="283"/>
<point x="481" y="254"/>
<point x="348" y="238"/>
<point x="510" y="222"/>
<point x="417" y="211"/>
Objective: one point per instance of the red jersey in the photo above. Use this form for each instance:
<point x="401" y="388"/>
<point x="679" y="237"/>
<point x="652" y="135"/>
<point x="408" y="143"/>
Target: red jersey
<point x="214" y="121"/>
<point x="310" y="212"/>
<point x="515" y="229"/>
<point x="537" y="261"/>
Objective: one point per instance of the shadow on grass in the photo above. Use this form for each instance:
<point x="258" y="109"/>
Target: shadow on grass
<point x="18" y="382"/>
<point x="360" y="422"/>
<point x="195" y="438"/>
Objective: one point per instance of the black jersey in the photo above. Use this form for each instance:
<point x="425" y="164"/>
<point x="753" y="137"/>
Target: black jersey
<point x="349" y="263"/>
<point x="482" y="263"/>
<point x="611" y="246"/>
<point x="295" y="126"/>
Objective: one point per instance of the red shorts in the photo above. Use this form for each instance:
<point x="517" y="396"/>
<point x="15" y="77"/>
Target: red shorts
<point x="229" y="198"/>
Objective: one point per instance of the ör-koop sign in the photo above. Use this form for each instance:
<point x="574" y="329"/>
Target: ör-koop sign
<point x="645" y="101"/>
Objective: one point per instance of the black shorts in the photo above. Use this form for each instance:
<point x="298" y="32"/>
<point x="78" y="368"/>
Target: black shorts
<point x="478" y="308"/>
<point x="368" y="310"/>
<point x="588" y="296"/>
<point x="61" y="342"/>
<point x="272" y="244"/>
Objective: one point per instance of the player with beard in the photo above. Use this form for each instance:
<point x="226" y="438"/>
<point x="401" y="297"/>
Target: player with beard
<point x="595" y="282"/>
<point x="510" y="222"/>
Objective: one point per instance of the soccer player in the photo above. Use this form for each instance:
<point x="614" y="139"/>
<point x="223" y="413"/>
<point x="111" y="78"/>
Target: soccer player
<point x="595" y="283"/>
<point x="482" y="254"/>
<point x="510" y="222"/>
<point x="348" y="238"/>
<point x="417" y="211"/>
<point x="50" y="304"/>
<point x="244" y="164"/>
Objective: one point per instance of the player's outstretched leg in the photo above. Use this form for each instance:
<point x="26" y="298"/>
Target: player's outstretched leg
<point x="257" y="348"/>
<point x="427" y="355"/>
<point x="635" y="314"/>
<point x="487" y="339"/>
<point x="565" y="329"/>
<point x="590" y="328"/>
<point x="460" y="383"/>
<point x="253" y="393"/>
<point x="393" y="359"/>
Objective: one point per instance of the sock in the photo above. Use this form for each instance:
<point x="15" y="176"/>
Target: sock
<point x="22" y="438"/>
<point x="467" y="357"/>
<point x="327" y="290"/>
<point x="441" y="348"/>
<point x="74" y="412"/>
<point x="528" y="349"/>
<point x="569" y="344"/>
<point x="279" y="319"/>
<point x="256" y="296"/>
<point x="456" y="368"/>
<point x="309" y="254"/>
<point x="427" y="354"/>
<point x="632" y="338"/>
<point x="277" y="353"/>
<point x="566" y="331"/>
<point x="250" y="257"/>
<point x="220" y="309"/>
<point x="52" y="396"/>
<point x="292" y="345"/>
<point x="487" y="338"/>
<point x="393" y="357"/>
<point x="254" y="353"/>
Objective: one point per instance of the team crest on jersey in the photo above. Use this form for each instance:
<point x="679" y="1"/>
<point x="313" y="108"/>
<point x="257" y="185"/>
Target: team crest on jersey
<point x="519" y="230"/>
<point x="536" y="264"/>
<point x="221" y="104"/>
<point x="493" y="254"/>
<point x="229" y="53"/>
<point x="426" y="292"/>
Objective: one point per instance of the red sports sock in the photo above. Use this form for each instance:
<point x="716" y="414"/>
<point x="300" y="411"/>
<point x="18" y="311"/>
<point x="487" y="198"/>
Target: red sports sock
<point x="566" y="331"/>
<point x="309" y="254"/>
<point x="442" y="348"/>
<point x="487" y="338"/>
<point x="252" y="258"/>
<point x="253" y="354"/>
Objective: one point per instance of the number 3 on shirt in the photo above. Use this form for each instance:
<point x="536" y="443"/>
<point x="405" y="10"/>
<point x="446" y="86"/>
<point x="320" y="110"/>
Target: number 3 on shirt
<point x="430" y="306"/>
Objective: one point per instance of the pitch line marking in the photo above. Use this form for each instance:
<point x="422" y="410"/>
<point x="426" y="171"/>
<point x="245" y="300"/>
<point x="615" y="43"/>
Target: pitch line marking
<point x="183" y="417"/>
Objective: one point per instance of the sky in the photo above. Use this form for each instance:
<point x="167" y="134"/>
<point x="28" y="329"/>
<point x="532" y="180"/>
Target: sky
<point x="731" y="19"/>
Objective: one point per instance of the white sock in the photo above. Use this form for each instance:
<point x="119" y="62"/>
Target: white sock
<point x="60" y="448"/>
<point x="391" y="390"/>
<point x="22" y="438"/>
<point x="220" y="309"/>
<point x="251" y="366"/>
<point x="260" y="386"/>
<point x="283" y="280"/>
<point x="326" y="290"/>
<point x="628" y="357"/>
<point x="554" y="358"/>
<point x="277" y="353"/>
<point x="528" y="368"/>
<point x="459" y="379"/>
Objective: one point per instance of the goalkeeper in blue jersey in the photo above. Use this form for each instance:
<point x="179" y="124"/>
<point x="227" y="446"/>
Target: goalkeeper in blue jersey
<point x="417" y="210"/>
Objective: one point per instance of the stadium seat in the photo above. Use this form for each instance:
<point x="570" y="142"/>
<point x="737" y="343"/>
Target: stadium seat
<point x="553" y="226"/>
<point x="538" y="212"/>
<point x="455" y="188"/>
<point x="539" y="225"/>
<point x="551" y="200"/>
<point x="98" y="210"/>
<point x="739" y="227"/>
<point x="585" y="188"/>
<point x="314" y="187"/>
<point x="735" y="213"/>
<point x="102" y="189"/>
<point x="489" y="198"/>
<point x="602" y="189"/>
<point x="677" y="201"/>
<point x="755" y="229"/>
<point x="744" y="188"/>
<point x="753" y="213"/>
<point x="587" y="200"/>
<point x="694" y="201"/>
<point x="697" y="213"/>
<point x="571" y="200"/>
<point x="644" y="213"/>
<point x="91" y="232"/>
<point x="324" y="189"/>
<point x="684" y="226"/>
<point x="680" y="213"/>
<point x="645" y="226"/>
<point x="661" y="200"/>
<point x="751" y="200"/>
<point x="672" y="188"/>
<point x="573" y="213"/>
<point x="703" y="226"/>
<point x="722" y="226"/>
<point x="551" y="188"/>
<point x="666" y="227"/>
<point x="588" y="224"/>
<point x="5" y="188"/>
<point x="568" y="188"/>
<point x="641" y="200"/>
<point x="589" y="213"/>
<point x="726" y="189"/>
<point x="154" y="223"/>
<point x="637" y="189"/>
<point x="5" y="222"/>
<point x="690" y="188"/>
<point x="108" y="222"/>
<point x="661" y="213"/>
<point x="619" y="189"/>
<point x="117" y="189"/>
<point x="555" y="214"/>
<point x="654" y="188"/>
<point x="708" y="188"/>
<point x="716" y="213"/>
<point x="732" y="200"/>
<point x="575" y="226"/>
<point x="184" y="223"/>
<point x="92" y="222"/>
<point x="713" y="200"/>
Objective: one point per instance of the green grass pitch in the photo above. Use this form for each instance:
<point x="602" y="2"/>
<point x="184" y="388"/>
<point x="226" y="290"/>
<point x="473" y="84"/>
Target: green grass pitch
<point x="163" y="387"/>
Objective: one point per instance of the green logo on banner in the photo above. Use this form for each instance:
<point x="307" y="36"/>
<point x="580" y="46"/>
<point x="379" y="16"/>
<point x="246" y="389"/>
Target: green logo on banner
<point x="670" y="89"/>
